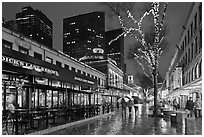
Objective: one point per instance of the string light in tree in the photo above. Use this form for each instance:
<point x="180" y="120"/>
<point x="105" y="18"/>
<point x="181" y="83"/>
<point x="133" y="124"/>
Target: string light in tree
<point x="150" y="53"/>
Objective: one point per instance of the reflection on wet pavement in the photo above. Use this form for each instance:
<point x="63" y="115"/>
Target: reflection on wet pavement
<point x="129" y="124"/>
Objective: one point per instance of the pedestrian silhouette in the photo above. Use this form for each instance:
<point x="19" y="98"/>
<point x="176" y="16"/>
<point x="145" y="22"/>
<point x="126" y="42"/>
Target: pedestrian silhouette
<point x="124" y="105"/>
<point x="198" y="107"/>
<point x="130" y="105"/>
<point x="189" y="107"/>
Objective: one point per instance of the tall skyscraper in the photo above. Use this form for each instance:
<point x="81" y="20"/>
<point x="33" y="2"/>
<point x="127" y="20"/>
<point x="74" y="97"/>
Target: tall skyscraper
<point x="84" y="36"/>
<point x="115" y="50"/>
<point x="35" y="24"/>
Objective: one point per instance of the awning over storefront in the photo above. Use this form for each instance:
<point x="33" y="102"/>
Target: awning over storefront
<point x="195" y="86"/>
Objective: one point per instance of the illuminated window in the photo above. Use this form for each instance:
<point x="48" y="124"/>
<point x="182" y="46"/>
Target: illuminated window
<point x="49" y="60"/>
<point x="7" y="44"/>
<point x="23" y="50"/>
<point x="72" y="23"/>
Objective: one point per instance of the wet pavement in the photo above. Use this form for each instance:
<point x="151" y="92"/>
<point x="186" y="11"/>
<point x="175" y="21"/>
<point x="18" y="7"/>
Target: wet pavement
<point x="133" y="124"/>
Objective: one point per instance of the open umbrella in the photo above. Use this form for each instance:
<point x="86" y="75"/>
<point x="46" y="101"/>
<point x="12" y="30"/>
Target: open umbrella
<point x="125" y="98"/>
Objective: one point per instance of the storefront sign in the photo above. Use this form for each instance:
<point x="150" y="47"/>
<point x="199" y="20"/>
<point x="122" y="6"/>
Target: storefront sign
<point x="83" y="80"/>
<point x="27" y="65"/>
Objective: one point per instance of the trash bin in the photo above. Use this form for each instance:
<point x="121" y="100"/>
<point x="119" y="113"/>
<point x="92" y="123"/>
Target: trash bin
<point x="173" y="118"/>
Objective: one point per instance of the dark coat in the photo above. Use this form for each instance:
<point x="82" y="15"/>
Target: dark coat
<point x="189" y="105"/>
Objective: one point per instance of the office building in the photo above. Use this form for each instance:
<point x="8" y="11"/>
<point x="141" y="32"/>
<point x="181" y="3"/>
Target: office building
<point x="84" y="36"/>
<point x="35" y="25"/>
<point x="115" y="49"/>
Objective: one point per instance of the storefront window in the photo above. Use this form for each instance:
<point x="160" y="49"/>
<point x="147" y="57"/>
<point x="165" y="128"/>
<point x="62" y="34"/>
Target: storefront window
<point x="92" y="99"/>
<point x="49" y="98"/>
<point x="35" y="98"/>
<point x="69" y="85"/>
<point x="55" y="98"/>
<point x="13" y="93"/>
<point x="61" y="98"/>
<point x="10" y="96"/>
<point x="40" y="80"/>
<point x="56" y="83"/>
<point x="82" y="99"/>
<point x="66" y="98"/>
<point x="22" y="99"/>
<point x="42" y="100"/>
<point x="86" y="99"/>
<point x="71" y="98"/>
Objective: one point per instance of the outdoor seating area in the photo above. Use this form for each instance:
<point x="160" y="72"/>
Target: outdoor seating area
<point x="24" y="121"/>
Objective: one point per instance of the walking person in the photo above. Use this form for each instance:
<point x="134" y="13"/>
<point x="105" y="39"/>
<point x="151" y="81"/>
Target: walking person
<point x="198" y="106"/>
<point x="130" y="105"/>
<point x="189" y="107"/>
<point x="175" y="104"/>
<point x="124" y="105"/>
<point x="117" y="104"/>
<point x="135" y="105"/>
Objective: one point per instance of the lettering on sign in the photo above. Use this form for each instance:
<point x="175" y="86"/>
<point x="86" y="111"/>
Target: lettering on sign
<point x="27" y="65"/>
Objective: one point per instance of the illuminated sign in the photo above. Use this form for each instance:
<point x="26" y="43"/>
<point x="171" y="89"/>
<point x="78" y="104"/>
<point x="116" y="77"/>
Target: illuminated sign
<point x="98" y="50"/>
<point x="27" y="65"/>
<point x="83" y="80"/>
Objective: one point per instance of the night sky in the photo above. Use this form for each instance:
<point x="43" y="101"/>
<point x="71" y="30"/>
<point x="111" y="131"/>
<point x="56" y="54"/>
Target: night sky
<point x="175" y="18"/>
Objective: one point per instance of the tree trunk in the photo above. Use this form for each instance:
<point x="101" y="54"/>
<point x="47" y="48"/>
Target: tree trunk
<point x="155" y="112"/>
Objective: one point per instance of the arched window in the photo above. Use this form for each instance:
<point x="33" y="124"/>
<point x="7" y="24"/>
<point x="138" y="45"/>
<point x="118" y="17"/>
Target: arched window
<point x="200" y="69"/>
<point x="192" y="74"/>
<point x="195" y="71"/>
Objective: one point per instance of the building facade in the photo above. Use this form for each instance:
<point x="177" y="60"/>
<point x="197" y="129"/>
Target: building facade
<point x="114" y="85"/>
<point x="115" y="50"/>
<point x="84" y="36"/>
<point x="35" y="76"/>
<point x="185" y="70"/>
<point x="35" y="25"/>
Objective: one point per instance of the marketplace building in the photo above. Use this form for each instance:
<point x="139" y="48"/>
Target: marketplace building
<point x="35" y="77"/>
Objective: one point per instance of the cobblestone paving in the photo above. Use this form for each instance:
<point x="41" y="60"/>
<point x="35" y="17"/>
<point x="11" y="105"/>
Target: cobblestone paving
<point x="131" y="124"/>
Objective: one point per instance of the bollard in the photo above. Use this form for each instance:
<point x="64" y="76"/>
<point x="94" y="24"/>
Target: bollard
<point x="180" y="117"/>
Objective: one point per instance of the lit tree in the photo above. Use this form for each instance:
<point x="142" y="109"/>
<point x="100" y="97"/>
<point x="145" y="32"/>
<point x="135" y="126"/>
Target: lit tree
<point x="150" y="40"/>
<point x="147" y="84"/>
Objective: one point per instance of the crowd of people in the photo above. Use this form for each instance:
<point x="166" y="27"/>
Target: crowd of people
<point x="192" y="108"/>
<point x="126" y="104"/>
